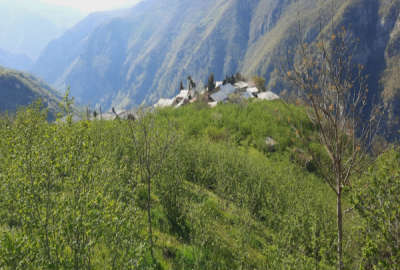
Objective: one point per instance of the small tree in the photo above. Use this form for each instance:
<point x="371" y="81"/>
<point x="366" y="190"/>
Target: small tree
<point x="66" y="107"/>
<point x="229" y="79"/>
<point x="336" y="92"/>
<point x="211" y="82"/>
<point x="239" y="77"/>
<point x="152" y="143"/>
<point x="260" y="83"/>
<point x="191" y="83"/>
<point x="233" y="79"/>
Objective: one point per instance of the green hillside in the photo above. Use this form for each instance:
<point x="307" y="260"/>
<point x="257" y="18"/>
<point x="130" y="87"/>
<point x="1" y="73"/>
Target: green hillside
<point x="75" y="194"/>
<point x="19" y="89"/>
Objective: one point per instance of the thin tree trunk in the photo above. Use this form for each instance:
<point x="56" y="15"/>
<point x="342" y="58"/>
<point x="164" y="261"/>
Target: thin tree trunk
<point x="149" y="216"/>
<point x="340" y="228"/>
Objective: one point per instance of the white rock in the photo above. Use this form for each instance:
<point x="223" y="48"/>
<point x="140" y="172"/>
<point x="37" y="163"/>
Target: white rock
<point x="268" y="96"/>
<point x="164" y="102"/>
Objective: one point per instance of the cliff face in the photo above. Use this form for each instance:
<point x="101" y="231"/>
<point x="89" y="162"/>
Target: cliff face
<point x="141" y="54"/>
<point x="374" y="27"/>
<point x="390" y="78"/>
<point x="378" y="29"/>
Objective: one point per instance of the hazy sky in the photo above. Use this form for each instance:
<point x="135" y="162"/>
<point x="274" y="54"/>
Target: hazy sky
<point x="93" y="5"/>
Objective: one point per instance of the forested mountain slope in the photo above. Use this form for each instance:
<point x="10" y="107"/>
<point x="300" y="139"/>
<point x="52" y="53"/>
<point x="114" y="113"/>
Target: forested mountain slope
<point x="142" y="55"/>
<point x="21" y="89"/>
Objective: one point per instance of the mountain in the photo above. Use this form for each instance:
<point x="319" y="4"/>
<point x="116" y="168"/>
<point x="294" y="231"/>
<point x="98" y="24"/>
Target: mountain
<point x="62" y="55"/>
<point x="141" y="55"/>
<point x="21" y="89"/>
<point x="27" y="25"/>
<point x="15" y="61"/>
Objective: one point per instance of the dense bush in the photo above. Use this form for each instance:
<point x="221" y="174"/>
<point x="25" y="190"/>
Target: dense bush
<point x="377" y="201"/>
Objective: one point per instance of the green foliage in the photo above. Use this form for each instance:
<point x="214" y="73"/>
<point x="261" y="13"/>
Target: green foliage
<point x="74" y="195"/>
<point x="260" y="83"/>
<point x="378" y="203"/>
<point x="245" y="125"/>
<point x="61" y="198"/>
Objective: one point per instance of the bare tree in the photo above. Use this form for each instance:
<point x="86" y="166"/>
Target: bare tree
<point x="335" y="91"/>
<point x="152" y="140"/>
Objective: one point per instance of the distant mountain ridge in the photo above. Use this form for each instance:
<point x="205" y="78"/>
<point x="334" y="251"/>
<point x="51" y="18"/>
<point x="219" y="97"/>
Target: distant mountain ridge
<point x="15" y="61"/>
<point x="62" y="55"/>
<point x="21" y="89"/>
<point x="141" y="55"/>
<point x="27" y="26"/>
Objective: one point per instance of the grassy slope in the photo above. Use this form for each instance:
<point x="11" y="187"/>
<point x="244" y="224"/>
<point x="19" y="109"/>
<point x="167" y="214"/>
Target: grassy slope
<point x="243" y="205"/>
<point x="243" y="236"/>
<point x="238" y="205"/>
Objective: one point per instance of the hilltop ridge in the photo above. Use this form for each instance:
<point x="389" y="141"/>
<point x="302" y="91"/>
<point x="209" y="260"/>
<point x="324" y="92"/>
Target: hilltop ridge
<point x="22" y="89"/>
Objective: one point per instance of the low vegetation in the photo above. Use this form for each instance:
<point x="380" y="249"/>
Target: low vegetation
<point x="79" y="195"/>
